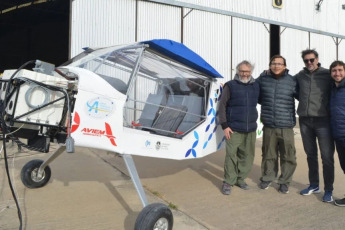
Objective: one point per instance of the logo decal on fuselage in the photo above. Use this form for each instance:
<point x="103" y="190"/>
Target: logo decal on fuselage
<point x="99" y="107"/>
<point x="99" y="133"/>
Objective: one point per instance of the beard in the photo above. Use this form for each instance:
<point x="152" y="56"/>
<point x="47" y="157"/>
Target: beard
<point x="245" y="80"/>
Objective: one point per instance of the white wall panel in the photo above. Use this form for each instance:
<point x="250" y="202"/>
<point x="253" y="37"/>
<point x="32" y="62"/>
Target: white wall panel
<point x="209" y="35"/>
<point x="341" y="50"/>
<point x="158" y="21"/>
<point x="99" y="23"/>
<point x="326" y="48"/>
<point x="250" y="42"/>
<point x="292" y="42"/>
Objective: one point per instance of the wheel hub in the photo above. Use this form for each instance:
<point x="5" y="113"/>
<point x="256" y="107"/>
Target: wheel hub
<point x="161" y="224"/>
<point x="35" y="175"/>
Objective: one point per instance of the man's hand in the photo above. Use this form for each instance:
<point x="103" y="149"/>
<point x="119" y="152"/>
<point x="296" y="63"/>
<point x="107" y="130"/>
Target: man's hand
<point x="227" y="133"/>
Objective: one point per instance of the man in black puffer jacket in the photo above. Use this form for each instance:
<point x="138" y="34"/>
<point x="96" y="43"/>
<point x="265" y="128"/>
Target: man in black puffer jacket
<point x="278" y="90"/>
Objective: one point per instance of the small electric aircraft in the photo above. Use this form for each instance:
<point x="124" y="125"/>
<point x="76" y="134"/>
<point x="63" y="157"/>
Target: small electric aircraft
<point x="154" y="98"/>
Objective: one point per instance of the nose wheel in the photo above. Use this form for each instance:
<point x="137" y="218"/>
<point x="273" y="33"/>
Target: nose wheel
<point x="154" y="216"/>
<point x="32" y="176"/>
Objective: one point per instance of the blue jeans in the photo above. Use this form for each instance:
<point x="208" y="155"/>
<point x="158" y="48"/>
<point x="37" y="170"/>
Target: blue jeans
<point x="340" y="144"/>
<point x="313" y="128"/>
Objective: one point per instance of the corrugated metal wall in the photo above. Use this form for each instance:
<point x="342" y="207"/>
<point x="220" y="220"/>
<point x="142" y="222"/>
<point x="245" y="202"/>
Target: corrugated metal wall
<point x="326" y="48"/>
<point x="158" y="21"/>
<point x="292" y="43"/>
<point x="220" y="39"/>
<point x="250" y="42"/>
<point x="100" y="23"/>
<point x="209" y="35"/>
<point x="342" y="49"/>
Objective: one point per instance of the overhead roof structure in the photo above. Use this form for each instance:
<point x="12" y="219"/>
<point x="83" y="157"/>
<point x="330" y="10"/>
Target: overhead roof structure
<point x="244" y="16"/>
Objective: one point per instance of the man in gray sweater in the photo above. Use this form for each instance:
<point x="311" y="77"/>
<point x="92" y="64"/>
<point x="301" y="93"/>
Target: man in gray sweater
<point x="314" y="88"/>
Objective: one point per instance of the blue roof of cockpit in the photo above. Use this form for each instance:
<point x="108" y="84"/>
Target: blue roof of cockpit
<point x="181" y="53"/>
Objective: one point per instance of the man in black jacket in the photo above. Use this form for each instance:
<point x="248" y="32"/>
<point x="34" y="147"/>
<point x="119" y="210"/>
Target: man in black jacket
<point x="313" y="109"/>
<point x="238" y="116"/>
<point x="277" y="99"/>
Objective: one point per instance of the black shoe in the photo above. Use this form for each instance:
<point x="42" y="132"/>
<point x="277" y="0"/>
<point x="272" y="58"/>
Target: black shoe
<point x="340" y="202"/>
<point x="283" y="188"/>
<point x="265" y="184"/>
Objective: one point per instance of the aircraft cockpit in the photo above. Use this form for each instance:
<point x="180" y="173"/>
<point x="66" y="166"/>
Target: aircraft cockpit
<point x="164" y="97"/>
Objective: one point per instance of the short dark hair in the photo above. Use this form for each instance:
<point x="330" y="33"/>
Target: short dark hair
<point x="277" y="56"/>
<point x="336" y="63"/>
<point x="309" y="51"/>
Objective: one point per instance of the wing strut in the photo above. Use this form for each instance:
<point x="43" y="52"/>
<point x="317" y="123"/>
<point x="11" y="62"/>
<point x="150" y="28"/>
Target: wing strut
<point x="135" y="178"/>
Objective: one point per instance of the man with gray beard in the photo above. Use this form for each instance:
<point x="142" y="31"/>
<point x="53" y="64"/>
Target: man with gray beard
<point x="238" y="116"/>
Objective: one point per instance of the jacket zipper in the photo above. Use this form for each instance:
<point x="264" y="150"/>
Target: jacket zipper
<point x="247" y="111"/>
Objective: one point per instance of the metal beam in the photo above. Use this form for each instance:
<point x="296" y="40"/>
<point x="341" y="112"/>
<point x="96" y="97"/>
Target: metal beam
<point x="243" y="16"/>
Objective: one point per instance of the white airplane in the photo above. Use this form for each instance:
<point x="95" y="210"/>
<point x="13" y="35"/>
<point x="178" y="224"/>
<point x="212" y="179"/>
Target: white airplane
<point x="154" y="98"/>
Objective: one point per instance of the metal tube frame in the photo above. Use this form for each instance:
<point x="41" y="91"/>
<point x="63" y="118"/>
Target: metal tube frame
<point x="57" y="153"/>
<point x="135" y="178"/>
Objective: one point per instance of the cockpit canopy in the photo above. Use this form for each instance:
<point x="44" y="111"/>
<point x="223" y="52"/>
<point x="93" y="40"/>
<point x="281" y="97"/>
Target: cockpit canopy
<point x="167" y="89"/>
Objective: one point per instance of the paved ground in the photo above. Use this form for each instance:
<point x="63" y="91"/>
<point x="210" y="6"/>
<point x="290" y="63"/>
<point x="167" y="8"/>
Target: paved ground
<point x="90" y="189"/>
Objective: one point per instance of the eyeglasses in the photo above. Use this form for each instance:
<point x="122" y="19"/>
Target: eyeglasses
<point x="277" y="64"/>
<point x="244" y="71"/>
<point x="307" y="60"/>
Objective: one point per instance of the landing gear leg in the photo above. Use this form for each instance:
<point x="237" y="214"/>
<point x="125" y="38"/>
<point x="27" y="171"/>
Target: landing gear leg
<point x="135" y="178"/>
<point x="154" y="216"/>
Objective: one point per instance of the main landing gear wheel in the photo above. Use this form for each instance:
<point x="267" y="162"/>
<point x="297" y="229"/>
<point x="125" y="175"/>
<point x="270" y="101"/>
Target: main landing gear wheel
<point x="154" y="216"/>
<point x="30" y="177"/>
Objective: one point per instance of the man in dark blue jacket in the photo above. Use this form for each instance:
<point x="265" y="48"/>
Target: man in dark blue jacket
<point x="277" y="99"/>
<point x="337" y="111"/>
<point x="237" y="116"/>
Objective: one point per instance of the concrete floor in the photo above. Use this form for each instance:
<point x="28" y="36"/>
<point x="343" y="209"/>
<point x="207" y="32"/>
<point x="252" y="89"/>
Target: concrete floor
<point x="90" y="189"/>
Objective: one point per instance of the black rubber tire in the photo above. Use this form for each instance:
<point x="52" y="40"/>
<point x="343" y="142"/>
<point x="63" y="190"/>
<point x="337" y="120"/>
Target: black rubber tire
<point x="149" y="216"/>
<point x="27" y="170"/>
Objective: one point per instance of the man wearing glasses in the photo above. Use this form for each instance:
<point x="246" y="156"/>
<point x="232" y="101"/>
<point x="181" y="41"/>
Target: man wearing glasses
<point x="277" y="98"/>
<point x="314" y="89"/>
<point x="238" y="116"/>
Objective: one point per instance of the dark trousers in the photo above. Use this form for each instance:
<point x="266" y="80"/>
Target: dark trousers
<point x="313" y="128"/>
<point x="340" y="144"/>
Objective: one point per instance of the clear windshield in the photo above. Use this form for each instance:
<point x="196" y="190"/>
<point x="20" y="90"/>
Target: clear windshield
<point x="113" y="64"/>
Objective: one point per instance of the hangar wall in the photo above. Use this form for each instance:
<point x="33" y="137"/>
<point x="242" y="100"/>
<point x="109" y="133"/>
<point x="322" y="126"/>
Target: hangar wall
<point x="220" y="39"/>
<point x="101" y="23"/>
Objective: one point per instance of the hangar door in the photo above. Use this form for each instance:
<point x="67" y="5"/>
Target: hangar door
<point x="32" y="30"/>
